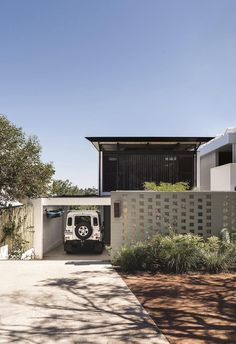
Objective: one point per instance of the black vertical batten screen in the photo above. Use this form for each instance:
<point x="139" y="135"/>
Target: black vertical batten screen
<point x="128" y="171"/>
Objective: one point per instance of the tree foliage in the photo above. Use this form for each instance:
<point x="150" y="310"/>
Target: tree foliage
<point x="66" y="188"/>
<point x="22" y="173"/>
<point x="177" y="187"/>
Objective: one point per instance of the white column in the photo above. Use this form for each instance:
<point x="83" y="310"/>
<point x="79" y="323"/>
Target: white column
<point x="198" y="171"/>
<point x="100" y="183"/>
<point x="38" y="227"/>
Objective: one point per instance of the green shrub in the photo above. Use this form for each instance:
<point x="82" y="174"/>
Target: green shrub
<point x="132" y="258"/>
<point x="215" y="262"/>
<point x="218" y="255"/>
<point x="224" y="235"/>
<point x="180" y="253"/>
<point x="177" y="187"/>
<point x="19" y="246"/>
<point x="233" y="237"/>
<point x="177" y="253"/>
<point x="153" y="256"/>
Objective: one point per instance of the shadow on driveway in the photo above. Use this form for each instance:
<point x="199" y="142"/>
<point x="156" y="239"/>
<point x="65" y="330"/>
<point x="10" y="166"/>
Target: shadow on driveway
<point x="74" y="304"/>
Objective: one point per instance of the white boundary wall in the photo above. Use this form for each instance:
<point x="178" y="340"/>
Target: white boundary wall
<point x="223" y="178"/>
<point x="144" y="213"/>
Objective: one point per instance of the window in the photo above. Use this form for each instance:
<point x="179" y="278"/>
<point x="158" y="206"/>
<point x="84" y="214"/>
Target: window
<point x="225" y="157"/>
<point x="117" y="210"/>
<point x="79" y="219"/>
<point x="69" y="221"/>
<point x="95" y="221"/>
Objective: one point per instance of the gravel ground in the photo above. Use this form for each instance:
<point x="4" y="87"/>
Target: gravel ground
<point x="189" y="309"/>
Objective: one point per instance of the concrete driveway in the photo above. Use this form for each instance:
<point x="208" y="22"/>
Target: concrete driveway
<point x="70" y="302"/>
<point x="58" y="253"/>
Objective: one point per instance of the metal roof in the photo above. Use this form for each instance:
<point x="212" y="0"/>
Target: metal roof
<point x="102" y="141"/>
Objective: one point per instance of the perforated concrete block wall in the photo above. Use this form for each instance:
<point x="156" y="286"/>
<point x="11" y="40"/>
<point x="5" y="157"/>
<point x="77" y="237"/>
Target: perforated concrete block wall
<point x="144" y="213"/>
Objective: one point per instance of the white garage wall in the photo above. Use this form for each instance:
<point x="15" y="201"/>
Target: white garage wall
<point x="220" y="178"/>
<point x="207" y="162"/>
<point x="52" y="231"/>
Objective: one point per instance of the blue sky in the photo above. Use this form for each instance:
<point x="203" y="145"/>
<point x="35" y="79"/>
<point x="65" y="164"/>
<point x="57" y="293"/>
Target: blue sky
<point x="73" y="68"/>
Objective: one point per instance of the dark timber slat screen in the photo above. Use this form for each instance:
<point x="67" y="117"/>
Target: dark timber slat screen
<point x="128" y="171"/>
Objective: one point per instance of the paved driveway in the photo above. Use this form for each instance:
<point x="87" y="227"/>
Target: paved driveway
<point x="58" y="253"/>
<point x="70" y="302"/>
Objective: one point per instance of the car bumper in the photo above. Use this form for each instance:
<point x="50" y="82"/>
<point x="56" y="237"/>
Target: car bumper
<point x="78" y="243"/>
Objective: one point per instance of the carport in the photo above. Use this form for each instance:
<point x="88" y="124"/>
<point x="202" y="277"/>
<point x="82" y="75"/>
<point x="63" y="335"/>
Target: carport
<point x="49" y="232"/>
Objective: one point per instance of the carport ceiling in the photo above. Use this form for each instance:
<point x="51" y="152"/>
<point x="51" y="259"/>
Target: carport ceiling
<point x="67" y="201"/>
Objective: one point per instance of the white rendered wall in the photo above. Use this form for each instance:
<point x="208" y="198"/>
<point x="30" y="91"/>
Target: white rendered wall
<point x="38" y="227"/>
<point x="206" y="163"/>
<point x="223" y="178"/>
<point x="233" y="177"/>
<point x="53" y="230"/>
<point x="198" y="171"/>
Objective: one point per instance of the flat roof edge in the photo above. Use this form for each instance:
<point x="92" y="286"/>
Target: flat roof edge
<point x="229" y="137"/>
<point x="149" y="138"/>
<point x="98" y="141"/>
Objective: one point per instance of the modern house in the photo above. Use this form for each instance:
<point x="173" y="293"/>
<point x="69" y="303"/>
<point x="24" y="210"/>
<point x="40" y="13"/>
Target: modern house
<point x="129" y="213"/>
<point x="125" y="163"/>
<point x="217" y="163"/>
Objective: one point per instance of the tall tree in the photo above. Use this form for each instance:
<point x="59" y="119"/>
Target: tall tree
<point x="22" y="173"/>
<point x="66" y="188"/>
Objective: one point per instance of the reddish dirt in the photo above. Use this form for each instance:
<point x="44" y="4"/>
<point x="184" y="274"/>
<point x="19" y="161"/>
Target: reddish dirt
<point x="189" y="309"/>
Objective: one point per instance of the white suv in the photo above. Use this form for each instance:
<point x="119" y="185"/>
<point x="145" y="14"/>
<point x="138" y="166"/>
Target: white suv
<point x="83" y="229"/>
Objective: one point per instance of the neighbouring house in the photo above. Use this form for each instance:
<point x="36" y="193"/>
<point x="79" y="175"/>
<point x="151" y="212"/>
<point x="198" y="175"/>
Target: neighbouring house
<point x="125" y="163"/>
<point x="217" y="163"/>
